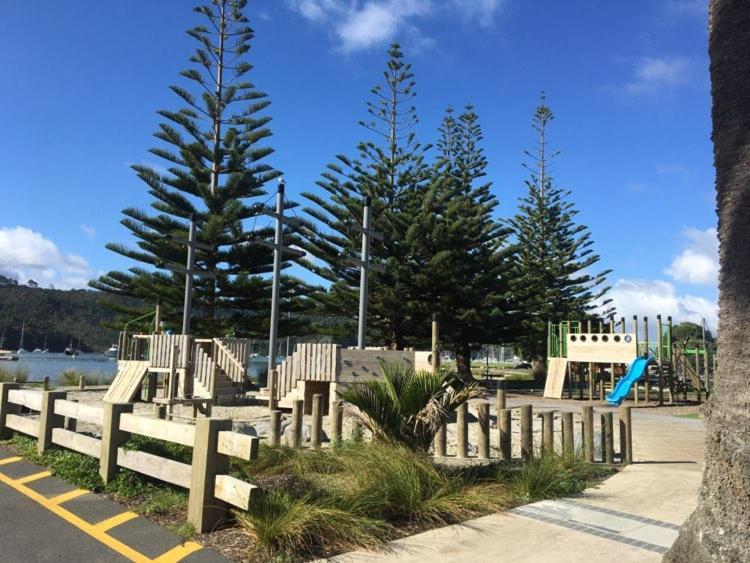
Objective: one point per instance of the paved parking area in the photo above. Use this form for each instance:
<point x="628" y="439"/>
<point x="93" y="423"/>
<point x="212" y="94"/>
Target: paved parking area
<point x="43" y="518"/>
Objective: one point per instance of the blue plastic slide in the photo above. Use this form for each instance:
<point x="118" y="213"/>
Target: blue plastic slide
<point x="636" y="370"/>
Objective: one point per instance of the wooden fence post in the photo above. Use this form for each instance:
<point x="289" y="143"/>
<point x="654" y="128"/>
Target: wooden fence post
<point x="48" y="419"/>
<point x="548" y="431"/>
<point x="527" y="432"/>
<point x="626" y="435"/>
<point x="45" y="384"/>
<point x="337" y="421"/>
<point x="587" y="416"/>
<point x="6" y="408"/>
<point x="609" y="441"/>
<point x="112" y="437"/>
<point x="316" y="428"/>
<point x="462" y="430"/>
<point x="483" y="438"/>
<point x="295" y="430"/>
<point x="152" y="378"/>
<point x="275" y="428"/>
<point x="500" y="395"/>
<point x="81" y="382"/>
<point x="504" y="431"/>
<point x="205" y="510"/>
<point x="568" y="439"/>
<point x="441" y="441"/>
<point x="273" y="389"/>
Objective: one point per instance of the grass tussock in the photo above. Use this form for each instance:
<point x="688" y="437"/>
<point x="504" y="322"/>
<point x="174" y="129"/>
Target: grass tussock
<point x="71" y="377"/>
<point x="357" y="495"/>
<point x="551" y="476"/>
<point x="20" y="375"/>
<point x="283" y="524"/>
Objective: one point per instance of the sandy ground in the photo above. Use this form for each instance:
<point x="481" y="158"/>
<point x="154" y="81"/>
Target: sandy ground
<point x="256" y="419"/>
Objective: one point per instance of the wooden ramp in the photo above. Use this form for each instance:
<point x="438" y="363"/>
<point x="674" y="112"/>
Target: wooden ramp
<point x="553" y="386"/>
<point x="123" y="388"/>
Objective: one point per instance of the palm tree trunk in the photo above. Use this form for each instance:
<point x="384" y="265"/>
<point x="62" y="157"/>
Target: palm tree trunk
<point x="719" y="529"/>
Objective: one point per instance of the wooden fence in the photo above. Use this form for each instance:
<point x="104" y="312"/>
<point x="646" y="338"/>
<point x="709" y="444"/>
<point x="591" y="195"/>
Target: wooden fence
<point x="212" y="489"/>
<point x="576" y="432"/>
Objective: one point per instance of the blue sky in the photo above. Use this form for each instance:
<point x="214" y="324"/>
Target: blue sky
<point x="628" y="82"/>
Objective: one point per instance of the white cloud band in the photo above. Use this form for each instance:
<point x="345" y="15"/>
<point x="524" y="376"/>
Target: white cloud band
<point x="26" y="254"/>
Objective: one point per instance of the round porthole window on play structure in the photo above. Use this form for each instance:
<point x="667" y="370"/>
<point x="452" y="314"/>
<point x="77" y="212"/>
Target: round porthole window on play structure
<point x="605" y="338"/>
<point x="628" y="338"/>
<point x="594" y="338"/>
<point x="583" y="338"/>
<point x="573" y="338"/>
<point x="617" y="338"/>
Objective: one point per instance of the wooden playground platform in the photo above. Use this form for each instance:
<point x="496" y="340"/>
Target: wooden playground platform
<point x="206" y="371"/>
<point x="589" y="357"/>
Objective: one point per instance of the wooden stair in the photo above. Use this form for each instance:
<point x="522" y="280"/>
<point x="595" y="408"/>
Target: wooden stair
<point x="308" y="362"/>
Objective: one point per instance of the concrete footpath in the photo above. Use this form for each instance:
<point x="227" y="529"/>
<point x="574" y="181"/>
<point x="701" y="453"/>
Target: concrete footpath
<point x="633" y="516"/>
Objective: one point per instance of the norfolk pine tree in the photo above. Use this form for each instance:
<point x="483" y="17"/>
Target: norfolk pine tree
<point x="462" y="251"/>
<point x="555" y="255"/>
<point x="391" y="170"/>
<point x="214" y="151"/>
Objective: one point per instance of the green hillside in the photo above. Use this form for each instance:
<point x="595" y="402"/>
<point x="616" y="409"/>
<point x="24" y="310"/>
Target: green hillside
<point x="60" y="316"/>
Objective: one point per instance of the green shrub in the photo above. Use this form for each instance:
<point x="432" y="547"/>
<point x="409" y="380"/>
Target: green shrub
<point x="408" y="406"/>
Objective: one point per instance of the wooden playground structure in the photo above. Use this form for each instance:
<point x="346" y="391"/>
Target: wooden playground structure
<point x="587" y="358"/>
<point x="182" y="369"/>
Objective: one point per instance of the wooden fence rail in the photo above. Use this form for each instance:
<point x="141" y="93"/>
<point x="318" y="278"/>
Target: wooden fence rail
<point x="212" y="489"/>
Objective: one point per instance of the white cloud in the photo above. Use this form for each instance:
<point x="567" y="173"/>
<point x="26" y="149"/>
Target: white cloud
<point x="699" y="262"/>
<point x="26" y="254"/>
<point x="655" y="74"/>
<point x="362" y="24"/>
<point x="88" y="230"/>
<point x="480" y="11"/>
<point x="653" y="297"/>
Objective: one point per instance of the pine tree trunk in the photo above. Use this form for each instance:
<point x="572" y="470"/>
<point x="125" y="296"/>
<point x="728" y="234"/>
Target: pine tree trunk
<point x="463" y="362"/>
<point x="719" y="529"/>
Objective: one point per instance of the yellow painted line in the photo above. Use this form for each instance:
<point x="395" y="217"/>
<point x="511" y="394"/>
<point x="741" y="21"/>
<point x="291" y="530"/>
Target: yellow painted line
<point x="96" y="531"/>
<point x="178" y="553"/>
<point x="34" y="477"/>
<point x="65" y="497"/>
<point x="90" y="529"/>
<point x="8" y="460"/>
<point x="110" y="523"/>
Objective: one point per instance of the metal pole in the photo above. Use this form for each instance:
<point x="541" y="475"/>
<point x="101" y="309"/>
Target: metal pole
<point x="189" y="279"/>
<point x="705" y="355"/>
<point x="363" y="271"/>
<point x="277" y="241"/>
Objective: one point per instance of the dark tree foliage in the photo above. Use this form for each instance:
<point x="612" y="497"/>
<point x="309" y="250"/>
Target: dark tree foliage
<point x="463" y="255"/>
<point x="391" y="170"/>
<point x="54" y="318"/>
<point x="555" y="256"/>
<point x="214" y="148"/>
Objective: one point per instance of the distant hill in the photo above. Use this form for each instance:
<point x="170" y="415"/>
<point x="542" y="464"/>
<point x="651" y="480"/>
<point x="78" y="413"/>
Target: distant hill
<point x="60" y="316"/>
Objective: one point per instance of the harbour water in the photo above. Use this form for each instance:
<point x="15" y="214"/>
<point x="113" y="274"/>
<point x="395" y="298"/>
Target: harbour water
<point x="37" y="366"/>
